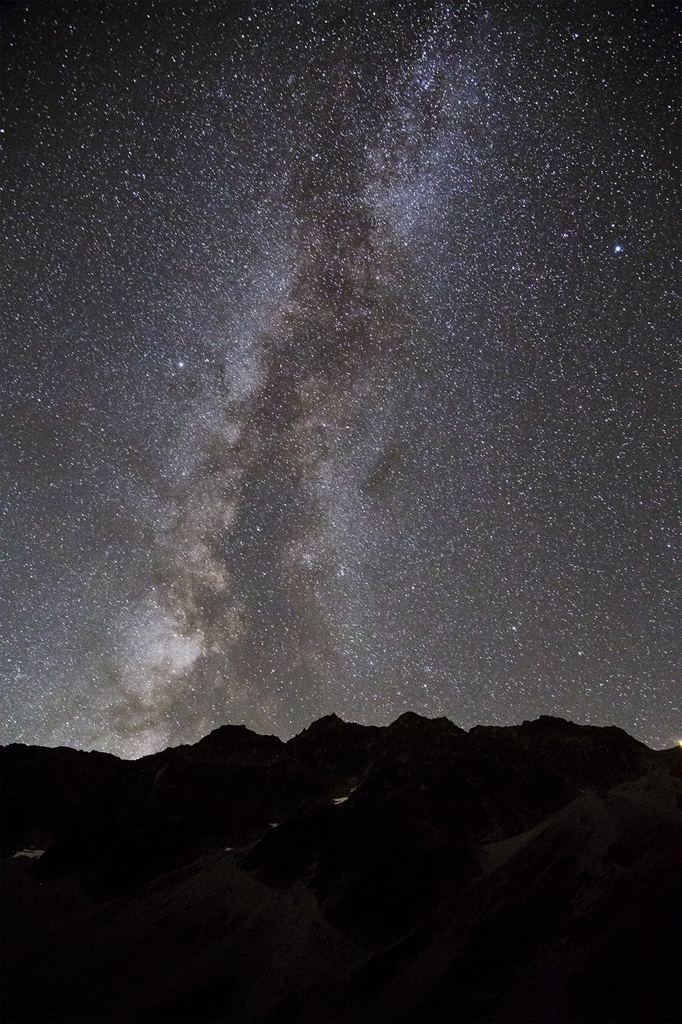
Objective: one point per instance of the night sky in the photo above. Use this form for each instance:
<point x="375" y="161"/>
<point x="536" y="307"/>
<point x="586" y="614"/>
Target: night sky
<point x="338" y="372"/>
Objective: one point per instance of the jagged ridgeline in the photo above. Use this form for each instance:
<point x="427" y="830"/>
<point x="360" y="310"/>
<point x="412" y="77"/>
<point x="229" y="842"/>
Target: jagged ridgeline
<point x="415" y="872"/>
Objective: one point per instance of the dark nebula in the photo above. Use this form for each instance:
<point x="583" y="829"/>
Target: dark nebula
<point x="339" y="367"/>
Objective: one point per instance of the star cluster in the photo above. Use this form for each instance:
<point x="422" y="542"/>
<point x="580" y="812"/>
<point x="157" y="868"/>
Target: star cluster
<point x="339" y="372"/>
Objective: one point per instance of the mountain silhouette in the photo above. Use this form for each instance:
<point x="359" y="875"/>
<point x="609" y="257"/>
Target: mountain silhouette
<point x="408" y="873"/>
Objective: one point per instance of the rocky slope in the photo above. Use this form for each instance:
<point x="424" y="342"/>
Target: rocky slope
<point x="409" y="873"/>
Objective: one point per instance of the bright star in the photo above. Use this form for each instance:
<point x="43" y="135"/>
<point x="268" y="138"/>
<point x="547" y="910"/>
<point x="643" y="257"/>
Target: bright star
<point x="618" y="248"/>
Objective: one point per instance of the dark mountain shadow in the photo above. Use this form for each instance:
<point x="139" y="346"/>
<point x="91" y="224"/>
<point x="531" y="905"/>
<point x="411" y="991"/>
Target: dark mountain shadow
<point x="413" y="873"/>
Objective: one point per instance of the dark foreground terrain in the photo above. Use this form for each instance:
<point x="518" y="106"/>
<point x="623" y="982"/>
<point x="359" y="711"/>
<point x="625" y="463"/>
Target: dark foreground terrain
<point x="409" y="873"/>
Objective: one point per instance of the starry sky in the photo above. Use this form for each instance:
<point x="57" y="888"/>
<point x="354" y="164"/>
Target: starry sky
<point x="338" y="372"/>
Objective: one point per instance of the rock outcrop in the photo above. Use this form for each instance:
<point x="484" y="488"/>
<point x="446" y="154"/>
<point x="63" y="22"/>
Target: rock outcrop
<point x="411" y="873"/>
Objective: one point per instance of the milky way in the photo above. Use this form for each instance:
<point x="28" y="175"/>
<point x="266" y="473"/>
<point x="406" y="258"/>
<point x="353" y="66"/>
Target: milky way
<point x="339" y="372"/>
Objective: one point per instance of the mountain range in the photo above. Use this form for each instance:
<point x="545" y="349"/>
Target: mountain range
<point x="409" y="873"/>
